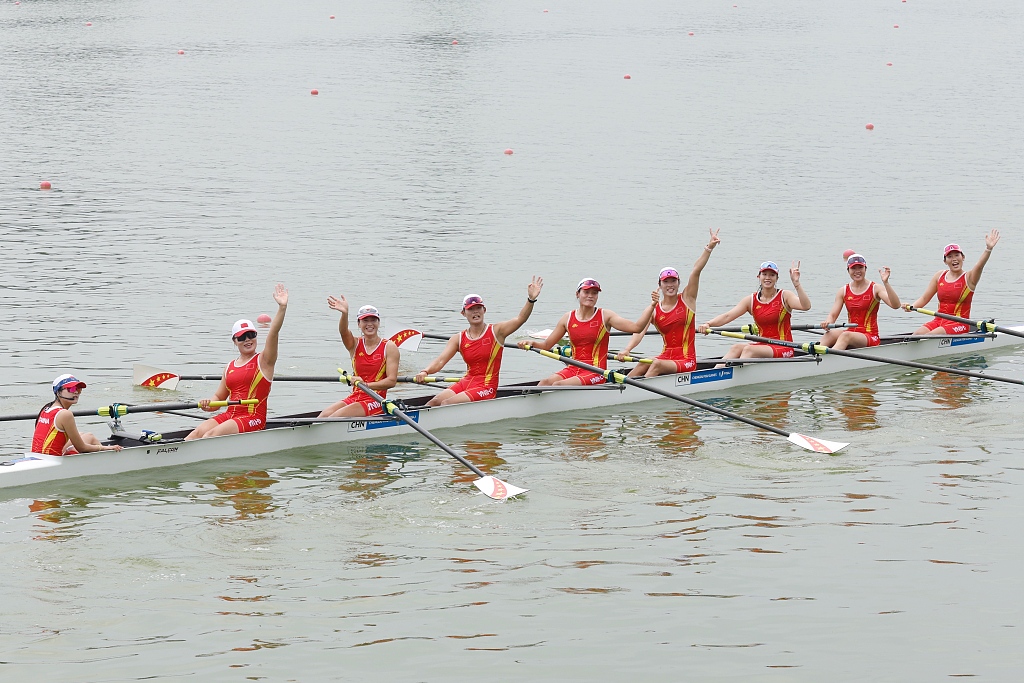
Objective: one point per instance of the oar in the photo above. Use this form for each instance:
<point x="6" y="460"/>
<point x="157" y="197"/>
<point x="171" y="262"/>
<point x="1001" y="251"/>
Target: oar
<point x="979" y="325"/>
<point x="749" y="328"/>
<point x="811" y="444"/>
<point x="119" y="409"/>
<point x="822" y="350"/>
<point x="492" y="487"/>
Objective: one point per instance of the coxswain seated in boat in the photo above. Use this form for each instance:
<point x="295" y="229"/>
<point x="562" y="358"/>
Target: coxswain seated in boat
<point x="588" y="328"/>
<point x="247" y="377"/>
<point x="674" y="318"/>
<point x="771" y="308"/>
<point x="481" y="347"/>
<point x="56" y="432"/>
<point x="860" y="298"/>
<point x="955" y="288"/>
<point x="374" y="361"/>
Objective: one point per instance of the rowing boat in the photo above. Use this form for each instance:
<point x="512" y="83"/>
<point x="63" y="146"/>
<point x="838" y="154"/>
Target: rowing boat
<point x="513" y="402"/>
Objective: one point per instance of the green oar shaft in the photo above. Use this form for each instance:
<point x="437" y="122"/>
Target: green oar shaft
<point x="820" y="349"/>
<point x="978" y="325"/>
<point x="122" y="409"/>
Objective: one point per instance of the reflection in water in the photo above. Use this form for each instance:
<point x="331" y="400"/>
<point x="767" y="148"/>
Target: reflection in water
<point x="483" y="454"/>
<point x="246" y="496"/>
<point x="584" y="441"/>
<point x="858" y="405"/>
<point x="680" y="433"/>
<point x="951" y="391"/>
<point x="60" y="522"/>
<point x="373" y="469"/>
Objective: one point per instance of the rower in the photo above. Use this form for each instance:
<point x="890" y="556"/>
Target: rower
<point x="674" y="317"/>
<point x="954" y="287"/>
<point x="860" y="297"/>
<point x="771" y="309"/>
<point x="588" y="328"/>
<point x="374" y="361"/>
<point x="56" y="432"/>
<point x="481" y="347"/>
<point x="247" y="377"/>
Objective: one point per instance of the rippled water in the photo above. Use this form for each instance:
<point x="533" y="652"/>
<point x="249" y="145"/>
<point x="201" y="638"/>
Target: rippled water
<point x="656" y="543"/>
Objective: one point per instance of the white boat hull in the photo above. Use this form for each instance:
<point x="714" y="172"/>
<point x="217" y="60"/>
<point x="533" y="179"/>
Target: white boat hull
<point x="34" y="468"/>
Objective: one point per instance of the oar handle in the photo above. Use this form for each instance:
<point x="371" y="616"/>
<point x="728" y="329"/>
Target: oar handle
<point x="978" y="325"/>
<point x="427" y="380"/>
<point x="119" y="409"/>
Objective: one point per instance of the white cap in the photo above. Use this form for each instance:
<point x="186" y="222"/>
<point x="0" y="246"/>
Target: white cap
<point x="67" y="381"/>
<point x="367" y="312"/>
<point x="241" y="326"/>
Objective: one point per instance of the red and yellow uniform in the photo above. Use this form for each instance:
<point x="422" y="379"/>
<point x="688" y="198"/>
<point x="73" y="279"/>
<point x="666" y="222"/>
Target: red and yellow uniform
<point x="371" y="367"/>
<point x="483" y="363"/>
<point x="773" y="320"/>
<point x="954" y="299"/>
<point x="47" y="439"/>
<point x="589" y="341"/>
<point x="677" y="331"/>
<point x="862" y="309"/>
<point x="246" y="382"/>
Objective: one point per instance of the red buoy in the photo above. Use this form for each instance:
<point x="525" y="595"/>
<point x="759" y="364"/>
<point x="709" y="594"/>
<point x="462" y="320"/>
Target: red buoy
<point x="870" y="126"/>
<point x="263" y="319"/>
<point x="627" y="77"/>
<point x="45" y="185"/>
<point x="88" y="23"/>
<point x="508" y="151"/>
<point x="848" y="253"/>
<point x="314" y="91"/>
<point x="545" y="10"/>
<point x="691" y="33"/>
<point x="181" y="52"/>
<point x="332" y="16"/>
<point x="455" y="42"/>
<point x="888" y="63"/>
<point x="895" y="25"/>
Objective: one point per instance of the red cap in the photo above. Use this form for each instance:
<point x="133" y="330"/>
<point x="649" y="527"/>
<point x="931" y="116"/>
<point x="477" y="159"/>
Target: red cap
<point x="951" y="247"/>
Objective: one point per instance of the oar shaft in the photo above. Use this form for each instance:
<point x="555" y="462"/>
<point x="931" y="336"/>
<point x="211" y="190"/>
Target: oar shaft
<point x="979" y="325"/>
<point x="123" y="409"/>
<point x="392" y="409"/>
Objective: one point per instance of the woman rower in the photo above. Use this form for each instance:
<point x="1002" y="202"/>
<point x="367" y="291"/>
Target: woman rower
<point x="771" y="309"/>
<point x="481" y="347"/>
<point x="674" y="317"/>
<point x="247" y="377"/>
<point x="374" y="361"/>
<point x="860" y="297"/>
<point x="56" y="432"/>
<point x="588" y="328"/>
<point x="955" y="288"/>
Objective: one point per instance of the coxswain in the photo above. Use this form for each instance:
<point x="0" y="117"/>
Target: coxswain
<point x="955" y="288"/>
<point x="247" y="377"/>
<point x="674" y="318"/>
<point x="56" y="432"/>
<point x="588" y="327"/>
<point x="481" y="347"/>
<point x="374" y="361"/>
<point x="771" y="309"/>
<point x="860" y="297"/>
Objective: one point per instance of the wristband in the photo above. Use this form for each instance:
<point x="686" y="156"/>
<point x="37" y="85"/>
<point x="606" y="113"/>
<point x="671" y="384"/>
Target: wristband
<point x="532" y="301"/>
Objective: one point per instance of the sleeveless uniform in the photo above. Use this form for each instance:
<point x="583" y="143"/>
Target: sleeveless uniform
<point x="246" y="381"/>
<point x="677" y="331"/>
<point x="862" y="309"/>
<point x="773" y="319"/>
<point x="589" y="341"/>
<point x="47" y="439"/>
<point x="954" y="299"/>
<point x="483" y="362"/>
<point x="372" y="367"/>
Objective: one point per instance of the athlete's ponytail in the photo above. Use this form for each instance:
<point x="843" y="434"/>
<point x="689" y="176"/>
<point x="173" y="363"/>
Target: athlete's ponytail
<point x="45" y="408"/>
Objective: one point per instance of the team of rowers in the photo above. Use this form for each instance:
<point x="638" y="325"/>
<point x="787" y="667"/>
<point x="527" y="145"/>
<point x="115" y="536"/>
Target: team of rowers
<point x="672" y="311"/>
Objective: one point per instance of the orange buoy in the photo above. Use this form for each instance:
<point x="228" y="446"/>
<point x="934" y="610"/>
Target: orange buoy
<point x="263" y="318"/>
<point x="314" y="91"/>
<point x="870" y="126"/>
<point x="508" y="151"/>
<point x="627" y="77"/>
<point x="45" y="185"/>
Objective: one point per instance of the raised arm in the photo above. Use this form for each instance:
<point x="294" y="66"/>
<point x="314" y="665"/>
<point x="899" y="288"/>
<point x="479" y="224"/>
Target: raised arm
<point x="450" y="349"/>
<point x="616" y="321"/>
<point x="504" y="329"/>
<point x="268" y="358"/>
<point x="885" y="291"/>
<point x="837" y="308"/>
<point x="798" y="301"/>
<point x="974" y="274"/>
<point x="553" y="338"/>
<point x="693" y="284"/>
<point x="739" y="309"/>
<point x="930" y="291"/>
<point x="340" y="304"/>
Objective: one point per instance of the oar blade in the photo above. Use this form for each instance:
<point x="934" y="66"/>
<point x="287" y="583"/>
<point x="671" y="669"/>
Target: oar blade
<point x="153" y="378"/>
<point x="407" y="340"/>
<point x="816" y="445"/>
<point x="497" y="489"/>
<point x="540" y="334"/>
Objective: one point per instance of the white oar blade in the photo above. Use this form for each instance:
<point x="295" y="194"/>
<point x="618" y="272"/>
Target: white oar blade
<point x="407" y="340"/>
<point x="497" y="489"/>
<point x="153" y="378"/>
<point x="816" y="445"/>
<point x="540" y="334"/>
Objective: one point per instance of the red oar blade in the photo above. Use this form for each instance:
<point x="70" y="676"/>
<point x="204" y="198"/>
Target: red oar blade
<point x="154" y="378"/>
<point x="497" y="489"/>
<point x="407" y="340"/>
<point x="816" y="445"/>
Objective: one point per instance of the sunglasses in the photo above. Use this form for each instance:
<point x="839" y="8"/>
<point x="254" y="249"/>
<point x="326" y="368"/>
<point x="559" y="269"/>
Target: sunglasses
<point x="245" y="336"/>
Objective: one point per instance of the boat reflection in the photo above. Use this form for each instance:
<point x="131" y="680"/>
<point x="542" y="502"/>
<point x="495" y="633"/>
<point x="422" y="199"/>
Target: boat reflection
<point x="585" y="441"/>
<point x="950" y="392"/>
<point x="56" y="521"/>
<point x="483" y="454"/>
<point x="246" y="494"/>
<point x="679" y="432"/>
<point x="859" y="406"/>
<point x="373" y="467"/>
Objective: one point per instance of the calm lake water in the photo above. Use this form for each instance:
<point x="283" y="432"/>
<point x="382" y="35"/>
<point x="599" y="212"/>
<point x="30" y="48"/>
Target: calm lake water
<point x="656" y="544"/>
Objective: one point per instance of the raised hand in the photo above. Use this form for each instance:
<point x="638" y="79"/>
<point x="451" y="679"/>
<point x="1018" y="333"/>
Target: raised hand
<point x="338" y="303"/>
<point x="281" y="295"/>
<point x="533" y="289"/>
<point x="794" y="273"/>
<point x="884" y="273"/>
<point x="713" y="241"/>
<point x="991" y="239"/>
<point x="656" y="296"/>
